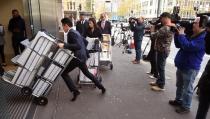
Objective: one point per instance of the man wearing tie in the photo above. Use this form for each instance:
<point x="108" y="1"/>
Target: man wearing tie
<point x="104" y="24"/>
<point x="82" y="25"/>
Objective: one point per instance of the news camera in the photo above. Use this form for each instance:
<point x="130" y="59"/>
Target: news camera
<point x="132" y="20"/>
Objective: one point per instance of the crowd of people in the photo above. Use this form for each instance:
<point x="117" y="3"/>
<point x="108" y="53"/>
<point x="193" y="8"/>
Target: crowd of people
<point x="187" y="61"/>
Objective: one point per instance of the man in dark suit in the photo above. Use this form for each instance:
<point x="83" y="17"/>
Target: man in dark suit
<point x="82" y="25"/>
<point x="105" y="25"/>
<point x="76" y="44"/>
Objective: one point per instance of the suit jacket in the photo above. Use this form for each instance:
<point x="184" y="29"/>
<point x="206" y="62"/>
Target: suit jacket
<point x="82" y="28"/>
<point x="75" y="43"/>
<point x="107" y="29"/>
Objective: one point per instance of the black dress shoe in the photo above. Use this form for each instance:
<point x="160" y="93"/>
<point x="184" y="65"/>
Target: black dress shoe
<point x="182" y="110"/>
<point x="75" y="94"/>
<point x="103" y="90"/>
<point x="174" y="103"/>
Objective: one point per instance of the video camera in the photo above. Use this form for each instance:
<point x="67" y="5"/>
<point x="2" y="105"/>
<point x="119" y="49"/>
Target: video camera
<point x="176" y="19"/>
<point x="132" y="20"/>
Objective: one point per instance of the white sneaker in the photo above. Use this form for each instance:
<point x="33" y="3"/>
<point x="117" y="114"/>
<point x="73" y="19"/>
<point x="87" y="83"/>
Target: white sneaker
<point x="152" y="77"/>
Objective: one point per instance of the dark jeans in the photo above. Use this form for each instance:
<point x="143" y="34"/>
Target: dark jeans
<point x="83" y="67"/>
<point x="2" y="53"/>
<point x="17" y="46"/>
<point x="204" y="102"/>
<point x="161" y="63"/>
<point x="137" y="44"/>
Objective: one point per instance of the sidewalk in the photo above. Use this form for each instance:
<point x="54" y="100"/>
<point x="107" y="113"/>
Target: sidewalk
<point x="128" y="96"/>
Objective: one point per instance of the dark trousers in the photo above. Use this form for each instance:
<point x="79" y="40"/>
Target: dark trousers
<point x="17" y="46"/>
<point x="204" y="94"/>
<point x="137" y="44"/>
<point x="2" y="53"/>
<point x="204" y="102"/>
<point x="161" y="63"/>
<point x="153" y="62"/>
<point x="83" y="67"/>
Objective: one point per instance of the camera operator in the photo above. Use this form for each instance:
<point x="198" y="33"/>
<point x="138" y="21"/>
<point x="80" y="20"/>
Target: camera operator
<point x="204" y="83"/>
<point x="164" y="38"/>
<point x="188" y="61"/>
<point x="137" y="26"/>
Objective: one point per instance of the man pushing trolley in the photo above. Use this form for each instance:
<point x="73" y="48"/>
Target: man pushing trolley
<point x="75" y="43"/>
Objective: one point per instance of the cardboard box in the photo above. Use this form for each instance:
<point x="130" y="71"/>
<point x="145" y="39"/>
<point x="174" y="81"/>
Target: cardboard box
<point x="105" y="46"/>
<point x="106" y="38"/>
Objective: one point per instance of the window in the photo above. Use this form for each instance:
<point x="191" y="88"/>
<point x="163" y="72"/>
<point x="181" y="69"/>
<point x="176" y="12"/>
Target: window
<point x="68" y="5"/>
<point x="151" y="1"/>
<point x="74" y="5"/>
<point x="71" y="5"/>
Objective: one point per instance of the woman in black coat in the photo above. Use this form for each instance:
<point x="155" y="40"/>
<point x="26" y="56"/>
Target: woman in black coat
<point x="93" y="30"/>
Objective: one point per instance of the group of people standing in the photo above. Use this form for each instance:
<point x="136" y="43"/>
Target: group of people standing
<point x="188" y="61"/>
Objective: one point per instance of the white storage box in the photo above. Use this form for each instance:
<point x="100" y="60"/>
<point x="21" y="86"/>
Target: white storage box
<point x="41" y="87"/>
<point x="24" y="56"/>
<point x="84" y="79"/>
<point x="23" y="77"/>
<point x="91" y="42"/>
<point x="62" y="56"/>
<point x="52" y="72"/>
<point x="93" y="60"/>
<point x="42" y="43"/>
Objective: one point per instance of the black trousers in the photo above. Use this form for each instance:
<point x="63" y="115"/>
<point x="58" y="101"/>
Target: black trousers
<point x="203" y="107"/>
<point x="17" y="46"/>
<point x="153" y="62"/>
<point x="2" y="53"/>
<point x="204" y="95"/>
<point x="83" y="67"/>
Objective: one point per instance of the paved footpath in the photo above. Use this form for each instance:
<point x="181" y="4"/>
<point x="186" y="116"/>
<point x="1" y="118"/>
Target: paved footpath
<point x="128" y="95"/>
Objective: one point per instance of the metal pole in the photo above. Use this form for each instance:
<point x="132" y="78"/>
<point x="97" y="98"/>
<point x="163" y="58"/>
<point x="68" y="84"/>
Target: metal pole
<point x="158" y="9"/>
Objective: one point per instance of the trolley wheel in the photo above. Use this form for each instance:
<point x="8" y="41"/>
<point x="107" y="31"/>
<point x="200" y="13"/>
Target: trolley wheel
<point x="26" y="91"/>
<point x="111" y="66"/>
<point x="41" y="100"/>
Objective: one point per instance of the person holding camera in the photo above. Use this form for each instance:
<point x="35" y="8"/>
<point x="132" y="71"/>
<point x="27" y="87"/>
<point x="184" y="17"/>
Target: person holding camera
<point x="204" y="83"/>
<point x="188" y="61"/>
<point x="164" y="38"/>
<point x="137" y="26"/>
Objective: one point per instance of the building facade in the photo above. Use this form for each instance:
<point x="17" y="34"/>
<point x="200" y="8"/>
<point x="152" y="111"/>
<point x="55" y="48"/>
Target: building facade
<point x="72" y="8"/>
<point x="153" y="8"/>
